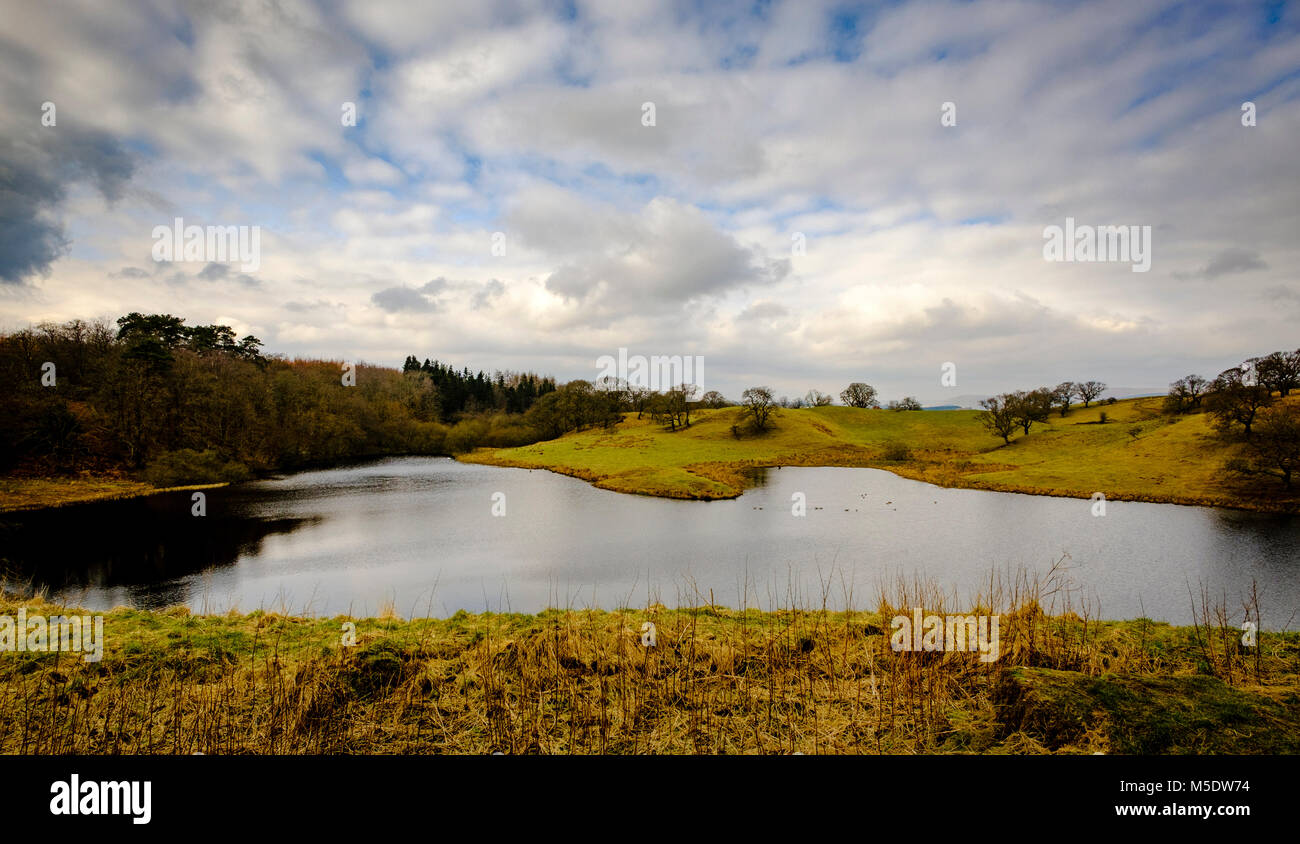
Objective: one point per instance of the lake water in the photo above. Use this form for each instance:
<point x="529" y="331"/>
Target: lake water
<point x="420" y="534"/>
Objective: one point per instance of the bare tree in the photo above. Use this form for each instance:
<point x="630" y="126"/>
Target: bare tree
<point x="859" y="394"/>
<point x="713" y="399"/>
<point x="998" y="416"/>
<point x="759" y="406"/>
<point x="686" y="395"/>
<point x="1279" y="372"/>
<point x="1275" y="449"/>
<point x="908" y="403"/>
<point x="1030" y="407"/>
<point x="1235" y="399"/>
<point x="1186" y="393"/>
<point x="639" y="396"/>
<point x="816" y="398"/>
<point x="672" y="408"/>
<point x="1089" y="390"/>
<point x="1064" y="394"/>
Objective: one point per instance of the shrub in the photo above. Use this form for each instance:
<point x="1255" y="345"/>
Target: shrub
<point x="466" y="435"/>
<point x="897" y="452"/>
<point x="511" y="436"/>
<point x="187" y="466"/>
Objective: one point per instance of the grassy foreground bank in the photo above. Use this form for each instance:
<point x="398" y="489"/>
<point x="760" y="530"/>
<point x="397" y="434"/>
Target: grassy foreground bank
<point x="1137" y="454"/>
<point x="717" y="681"/>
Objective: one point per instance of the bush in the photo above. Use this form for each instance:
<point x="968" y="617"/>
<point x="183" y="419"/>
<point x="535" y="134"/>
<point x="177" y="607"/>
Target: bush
<point x="466" y="435"/>
<point x="186" y="466"/>
<point x="897" y="452"/>
<point x="511" y="436"/>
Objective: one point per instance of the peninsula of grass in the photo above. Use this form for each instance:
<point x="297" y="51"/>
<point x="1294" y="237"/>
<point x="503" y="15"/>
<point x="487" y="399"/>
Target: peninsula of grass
<point x="1135" y="454"/>
<point x="38" y="493"/>
<point x="715" y="681"/>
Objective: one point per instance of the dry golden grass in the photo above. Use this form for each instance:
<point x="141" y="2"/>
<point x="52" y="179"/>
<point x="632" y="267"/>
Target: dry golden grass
<point x="559" y="682"/>
<point x="38" y="493"/>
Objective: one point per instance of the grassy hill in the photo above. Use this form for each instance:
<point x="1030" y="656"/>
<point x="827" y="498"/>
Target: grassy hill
<point x="1136" y="455"/>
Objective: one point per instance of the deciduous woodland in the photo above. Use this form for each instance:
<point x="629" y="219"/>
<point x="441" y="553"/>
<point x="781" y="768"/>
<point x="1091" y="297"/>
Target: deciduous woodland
<point x="173" y="403"/>
<point x="97" y="410"/>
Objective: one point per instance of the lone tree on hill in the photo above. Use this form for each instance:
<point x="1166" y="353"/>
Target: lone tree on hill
<point x="998" y="416"/>
<point x="759" y="406"/>
<point x="1087" y="391"/>
<point x="859" y="394"/>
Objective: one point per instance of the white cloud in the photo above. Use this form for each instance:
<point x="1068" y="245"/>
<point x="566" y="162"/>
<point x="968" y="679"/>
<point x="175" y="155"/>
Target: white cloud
<point x="923" y="241"/>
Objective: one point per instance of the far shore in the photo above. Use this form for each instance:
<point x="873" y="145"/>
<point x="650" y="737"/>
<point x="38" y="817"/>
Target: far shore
<point x="1127" y="451"/>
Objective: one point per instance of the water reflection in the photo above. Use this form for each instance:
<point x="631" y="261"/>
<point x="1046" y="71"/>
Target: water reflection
<point x="420" y="532"/>
<point x="142" y="549"/>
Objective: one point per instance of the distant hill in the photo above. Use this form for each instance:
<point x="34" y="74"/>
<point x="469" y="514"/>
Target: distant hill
<point x="1136" y="454"/>
<point x="972" y="400"/>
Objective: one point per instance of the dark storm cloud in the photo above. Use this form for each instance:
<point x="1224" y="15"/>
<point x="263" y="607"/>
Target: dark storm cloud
<point x="34" y="182"/>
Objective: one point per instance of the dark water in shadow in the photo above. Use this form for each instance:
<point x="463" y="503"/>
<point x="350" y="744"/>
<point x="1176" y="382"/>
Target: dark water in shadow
<point x="420" y="532"/>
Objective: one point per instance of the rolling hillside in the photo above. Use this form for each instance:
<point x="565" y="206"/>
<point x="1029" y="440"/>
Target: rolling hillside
<point x="1138" y="454"/>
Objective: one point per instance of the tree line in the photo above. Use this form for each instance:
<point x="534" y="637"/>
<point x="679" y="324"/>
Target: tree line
<point x="462" y="392"/>
<point x="1258" y="428"/>
<point x="175" y="403"/>
<point x="1004" y="414"/>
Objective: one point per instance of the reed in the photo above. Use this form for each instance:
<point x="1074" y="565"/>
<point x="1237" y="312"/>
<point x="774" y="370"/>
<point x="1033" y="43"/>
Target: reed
<point x="792" y="676"/>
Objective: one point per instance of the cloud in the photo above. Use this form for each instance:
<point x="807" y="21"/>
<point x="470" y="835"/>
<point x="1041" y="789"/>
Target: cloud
<point x="923" y="241"/>
<point x="668" y="255"/>
<point x="403" y="300"/>
<point x="212" y="272"/>
<point x="483" y="298"/>
<point x="1228" y="261"/>
<point x="1231" y="261"/>
<point x="763" y="311"/>
<point x="35" y="175"/>
<point x="434" y="286"/>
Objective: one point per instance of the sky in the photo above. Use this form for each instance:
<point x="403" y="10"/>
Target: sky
<point x="804" y="194"/>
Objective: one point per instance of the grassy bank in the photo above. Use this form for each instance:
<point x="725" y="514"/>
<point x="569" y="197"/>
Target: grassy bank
<point x="1136" y="455"/>
<point x="717" y="681"/>
<point x="38" y="493"/>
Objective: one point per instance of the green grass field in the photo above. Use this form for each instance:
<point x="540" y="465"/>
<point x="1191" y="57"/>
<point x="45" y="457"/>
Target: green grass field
<point x="1137" y="455"/>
